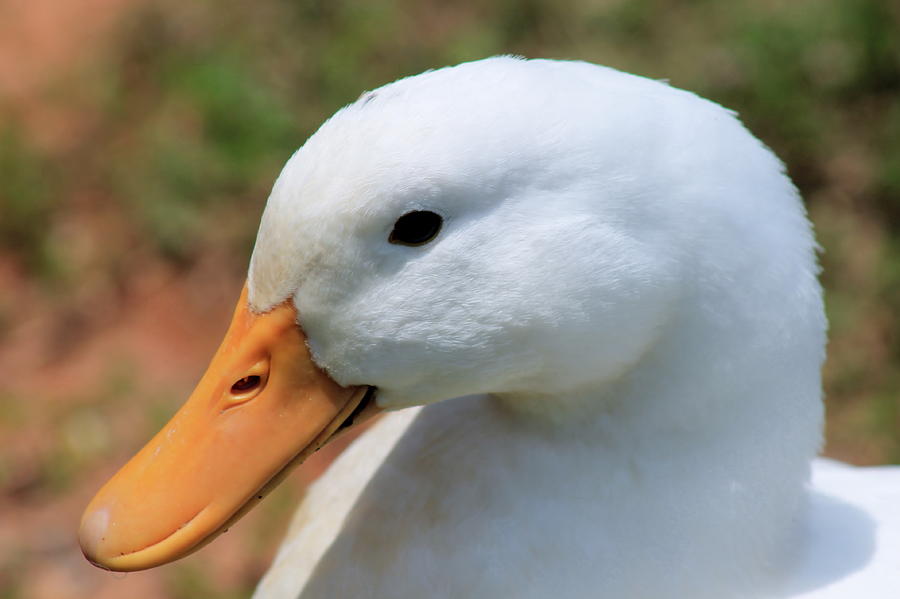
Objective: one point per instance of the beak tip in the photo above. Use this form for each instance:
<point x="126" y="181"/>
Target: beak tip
<point x="92" y="534"/>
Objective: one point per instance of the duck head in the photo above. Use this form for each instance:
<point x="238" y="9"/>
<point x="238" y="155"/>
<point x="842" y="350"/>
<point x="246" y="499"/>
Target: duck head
<point x="526" y="229"/>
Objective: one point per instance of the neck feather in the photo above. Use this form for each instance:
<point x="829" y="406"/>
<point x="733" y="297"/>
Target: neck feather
<point x="707" y="440"/>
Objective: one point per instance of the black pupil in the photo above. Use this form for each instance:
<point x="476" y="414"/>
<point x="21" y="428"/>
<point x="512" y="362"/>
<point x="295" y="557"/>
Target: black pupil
<point x="245" y="384"/>
<point x="416" y="228"/>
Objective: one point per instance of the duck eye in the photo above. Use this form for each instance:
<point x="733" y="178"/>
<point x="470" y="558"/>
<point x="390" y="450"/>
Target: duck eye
<point x="416" y="228"/>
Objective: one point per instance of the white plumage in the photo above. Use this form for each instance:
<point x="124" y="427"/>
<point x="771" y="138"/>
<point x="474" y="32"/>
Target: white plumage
<point x="617" y="338"/>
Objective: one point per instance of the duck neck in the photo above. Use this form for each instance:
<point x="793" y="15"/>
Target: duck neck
<point x="709" y="437"/>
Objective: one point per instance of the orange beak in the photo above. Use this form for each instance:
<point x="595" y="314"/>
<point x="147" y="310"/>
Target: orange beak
<point x="262" y="407"/>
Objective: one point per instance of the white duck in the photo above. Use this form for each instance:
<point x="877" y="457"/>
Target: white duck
<point x="602" y="288"/>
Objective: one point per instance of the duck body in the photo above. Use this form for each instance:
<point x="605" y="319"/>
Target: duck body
<point x="847" y="532"/>
<point x="850" y="534"/>
<point x="589" y="303"/>
<point x="479" y="531"/>
<point x="633" y="278"/>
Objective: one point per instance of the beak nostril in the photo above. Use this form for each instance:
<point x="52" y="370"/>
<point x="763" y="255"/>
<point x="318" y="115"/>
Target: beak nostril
<point x="248" y="383"/>
<point x="248" y="386"/>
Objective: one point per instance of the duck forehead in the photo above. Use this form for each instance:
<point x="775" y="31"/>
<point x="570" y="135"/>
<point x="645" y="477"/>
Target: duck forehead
<point x="323" y="213"/>
<point x="298" y="229"/>
<point x="350" y="182"/>
<point x="440" y="140"/>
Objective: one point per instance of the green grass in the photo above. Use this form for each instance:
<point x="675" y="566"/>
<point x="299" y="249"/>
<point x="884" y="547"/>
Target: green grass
<point x="28" y="201"/>
<point x="188" y="581"/>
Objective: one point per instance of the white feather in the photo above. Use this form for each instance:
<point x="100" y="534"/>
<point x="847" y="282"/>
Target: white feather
<point x="617" y="336"/>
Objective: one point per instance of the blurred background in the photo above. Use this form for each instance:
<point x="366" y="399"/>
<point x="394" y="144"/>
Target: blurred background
<point x="139" y="139"/>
